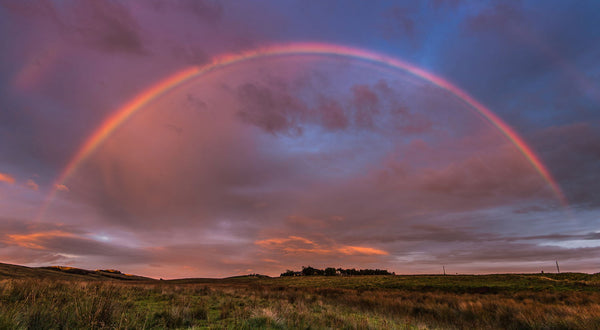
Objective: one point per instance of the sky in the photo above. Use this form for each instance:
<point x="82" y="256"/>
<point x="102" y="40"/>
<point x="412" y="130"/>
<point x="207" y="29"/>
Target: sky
<point x="218" y="138"/>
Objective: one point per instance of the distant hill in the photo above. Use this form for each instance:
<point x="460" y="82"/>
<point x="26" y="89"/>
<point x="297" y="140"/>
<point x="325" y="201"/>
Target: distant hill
<point x="9" y="271"/>
<point x="66" y="273"/>
<point x="249" y="276"/>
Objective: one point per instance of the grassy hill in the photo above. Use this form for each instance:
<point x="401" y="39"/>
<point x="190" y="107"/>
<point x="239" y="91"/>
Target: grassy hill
<point x="8" y="271"/>
<point x="492" y="283"/>
<point x="62" y="297"/>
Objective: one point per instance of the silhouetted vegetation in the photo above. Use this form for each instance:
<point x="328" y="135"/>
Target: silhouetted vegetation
<point x="330" y="271"/>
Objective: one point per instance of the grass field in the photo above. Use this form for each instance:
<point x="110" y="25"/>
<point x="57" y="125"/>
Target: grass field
<point x="55" y="299"/>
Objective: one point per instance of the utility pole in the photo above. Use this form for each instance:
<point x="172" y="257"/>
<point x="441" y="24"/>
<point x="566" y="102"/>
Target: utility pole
<point x="444" y="268"/>
<point x="557" y="269"/>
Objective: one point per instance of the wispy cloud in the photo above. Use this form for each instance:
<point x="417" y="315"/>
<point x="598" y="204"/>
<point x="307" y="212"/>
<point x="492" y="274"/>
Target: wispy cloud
<point x="6" y="178"/>
<point x="61" y="187"/>
<point x="300" y="245"/>
<point x="32" y="184"/>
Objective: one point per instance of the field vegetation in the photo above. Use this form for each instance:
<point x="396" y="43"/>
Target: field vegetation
<point x="330" y="271"/>
<point x="512" y="301"/>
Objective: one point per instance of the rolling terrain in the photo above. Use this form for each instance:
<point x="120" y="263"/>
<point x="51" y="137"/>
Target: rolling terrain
<point x="62" y="297"/>
<point x="8" y="271"/>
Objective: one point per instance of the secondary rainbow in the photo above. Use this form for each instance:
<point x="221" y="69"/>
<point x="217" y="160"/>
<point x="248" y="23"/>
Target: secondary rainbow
<point x="118" y="117"/>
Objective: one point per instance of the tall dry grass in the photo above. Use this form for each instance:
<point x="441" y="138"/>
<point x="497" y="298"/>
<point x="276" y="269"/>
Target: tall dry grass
<point x="51" y="304"/>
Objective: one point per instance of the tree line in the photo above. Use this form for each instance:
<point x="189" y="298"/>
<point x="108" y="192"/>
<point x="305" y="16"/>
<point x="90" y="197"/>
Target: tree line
<point x="330" y="271"/>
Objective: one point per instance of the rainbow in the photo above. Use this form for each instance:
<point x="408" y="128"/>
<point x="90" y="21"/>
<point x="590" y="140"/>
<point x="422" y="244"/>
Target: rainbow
<point x="118" y="117"/>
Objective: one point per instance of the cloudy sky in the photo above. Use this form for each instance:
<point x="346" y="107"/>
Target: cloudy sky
<point x="270" y="161"/>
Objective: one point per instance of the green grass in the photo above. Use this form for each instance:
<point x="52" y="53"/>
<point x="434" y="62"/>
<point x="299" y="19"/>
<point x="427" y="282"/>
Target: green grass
<point x="511" y="301"/>
<point x="494" y="283"/>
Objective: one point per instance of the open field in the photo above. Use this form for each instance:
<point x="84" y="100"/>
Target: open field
<point x="59" y="299"/>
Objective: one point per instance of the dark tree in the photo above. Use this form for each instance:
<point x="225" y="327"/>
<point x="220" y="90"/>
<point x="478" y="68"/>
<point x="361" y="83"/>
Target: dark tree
<point x="309" y="271"/>
<point x="329" y="271"/>
<point x="288" y="273"/>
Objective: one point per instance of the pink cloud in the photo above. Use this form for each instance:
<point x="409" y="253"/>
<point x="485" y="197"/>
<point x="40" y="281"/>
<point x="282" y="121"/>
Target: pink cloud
<point x="35" y="240"/>
<point x="6" y="178"/>
<point x="61" y="187"/>
<point x="300" y="245"/>
<point x="360" y="250"/>
<point x="32" y="184"/>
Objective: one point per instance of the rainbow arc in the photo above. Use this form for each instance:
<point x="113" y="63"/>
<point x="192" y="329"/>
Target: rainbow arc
<point x="120" y="115"/>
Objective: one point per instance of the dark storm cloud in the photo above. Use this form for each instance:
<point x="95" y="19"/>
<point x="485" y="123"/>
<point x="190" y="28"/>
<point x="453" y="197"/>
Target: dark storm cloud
<point x="406" y="120"/>
<point x="366" y="104"/>
<point x="398" y="236"/>
<point x="497" y="17"/>
<point x="276" y="109"/>
<point x="525" y="51"/>
<point x="399" y="23"/>
<point x="439" y="234"/>
<point x="573" y="155"/>
<point x="108" y="26"/>
<point x="191" y="54"/>
<point x="105" y="25"/>
<point x="530" y="209"/>
<point x="436" y="233"/>
<point x="560" y="237"/>
<point x="474" y="250"/>
<point x="273" y="111"/>
<point x="333" y="116"/>
<point x="35" y="9"/>
<point x="195" y="103"/>
<point x="486" y="176"/>
<point x="504" y="38"/>
<point x="21" y="123"/>
<point x="494" y="176"/>
<point x="50" y="89"/>
<point x="410" y="122"/>
<point x="502" y="252"/>
<point x="204" y="9"/>
<point x="129" y="198"/>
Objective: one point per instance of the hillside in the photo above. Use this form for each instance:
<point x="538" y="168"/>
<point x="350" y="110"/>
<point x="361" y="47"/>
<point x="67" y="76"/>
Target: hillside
<point x="91" y="299"/>
<point x="8" y="271"/>
<point x="108" y="299"/>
